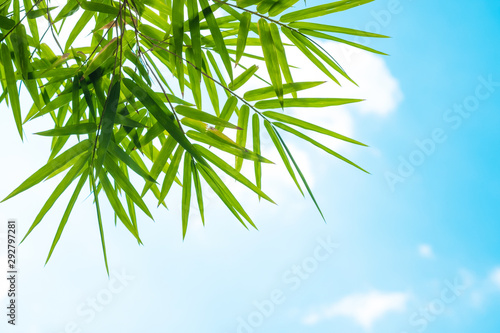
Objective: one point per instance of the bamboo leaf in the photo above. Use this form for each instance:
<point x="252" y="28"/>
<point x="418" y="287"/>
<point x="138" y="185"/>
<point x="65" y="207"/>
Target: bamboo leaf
<point x="126" y="185"/>
<point x="217" y="36"/>
<point x="277" y="143"/>
<point x="63" y="185"/>
<point x="241" y="136"/>
<point x="170" y="175"/>
<point x="271" y="58"/>
<point x="268" y="92"/>
<point x="99" y="7"/>
<point x="117" y="205"/>
<point x="304" y="102"/>
<point x="67" y="212"/>
<point x="256" y="149"/>
<point x="224" y="166"/>
<point x="199" y="194"/>
<point x="317" y="144"/>
<point x="186" y="193"/>
<point x="301" y="123"/>
<point x="244" y="27"/>
<point x="301" y="175"/>
<point x="243" y="78"/>
<point x="52" y="166"/>
<point x="203" y="116"/>
<point x="107" y="125"/>
<point x="321" y="10"/>
<point x="83" y="128"/>
<point x="12" y="87"/>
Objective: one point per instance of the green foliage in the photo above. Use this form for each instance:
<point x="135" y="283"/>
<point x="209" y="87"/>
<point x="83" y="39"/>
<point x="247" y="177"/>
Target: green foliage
<point x="154" y="84"/>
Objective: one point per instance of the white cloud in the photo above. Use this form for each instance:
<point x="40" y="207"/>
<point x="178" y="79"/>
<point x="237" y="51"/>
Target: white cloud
<point x="425" y="251"/>
<point x="495" y="277"/>
<point x="365" y="309"/>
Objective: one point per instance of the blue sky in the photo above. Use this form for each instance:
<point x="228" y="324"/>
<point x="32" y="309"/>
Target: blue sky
<point x="415" y="254"/>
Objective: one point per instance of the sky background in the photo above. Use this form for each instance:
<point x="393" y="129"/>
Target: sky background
<point x="413" y="247"/>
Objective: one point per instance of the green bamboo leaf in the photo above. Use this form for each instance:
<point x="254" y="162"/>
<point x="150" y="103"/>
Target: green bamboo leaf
<point x="6" y="23"/>
<point x="246" y="3"/>
<point x="241" y="136"/>
<point x="203" y="116"/>
<point x="99" y="7"/>
<point x="256" y="149"/>
<point x="271" y="58"/>
<point x="194" y="79"/>
<point x="322" y="54"/>
<point x="99" y="220"/>
<point x="163" y="116"/>
<point x="196" y="124"/>
<point x="178" y="37"/>
<point x="126" y="185"/>
<point x="67" y="212"/>
<point x="228" y="147"/>
<point x="227" y="110"/>
<point x="264" y="6"/>
<point x="170" y="175"/>
<point x="317" y="144"/>
<point x="281" y="6"/>
<point x="186" y="193"/>
<point x="228" y="169"/>
<point x="130" y="204"/>
<point x="210" y="86"/>
<point x="217" y="36"/>
<point x="197" y="187"/>
<point x="107" y="125"/>
<point x="330" y="28"/>
<point x="21" y="51"/>
<point x="321" y="10"/>
<point x="69" y="9"/>
<point x="308" y="126"/>
<point x="274" y="137"/>
<point x="302" y="177"/>
<point x="126" y="121"/>
<point x="39" y="12"/>
<point x="117" y="152"/>
<point x="304" y="102"/>
<point x="56" y="103"/>
<point x="32" y="23"/>
<point x="268" y="92"/>
<point x="75" y="97"/>
<point x="83" y="128"/>
<point x="79" y="26"/>
<point x="160" y="161"/>
<point x="51" y="167"/>
<point x="12" y="88"/>
<point x="117" y="205"/>
<point x="225" y="195"/>
<point x="63" y="185"/>
<point x="299" y="43"/>
<point x="217" y="188"/>
<point x="104" y="54"/>
<point x="244" y="27"/>
<point x="281" y="54"/>
<point x="194" y="31"/>
<point x="340" y="40"/>
<point x="243" y="77"/>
